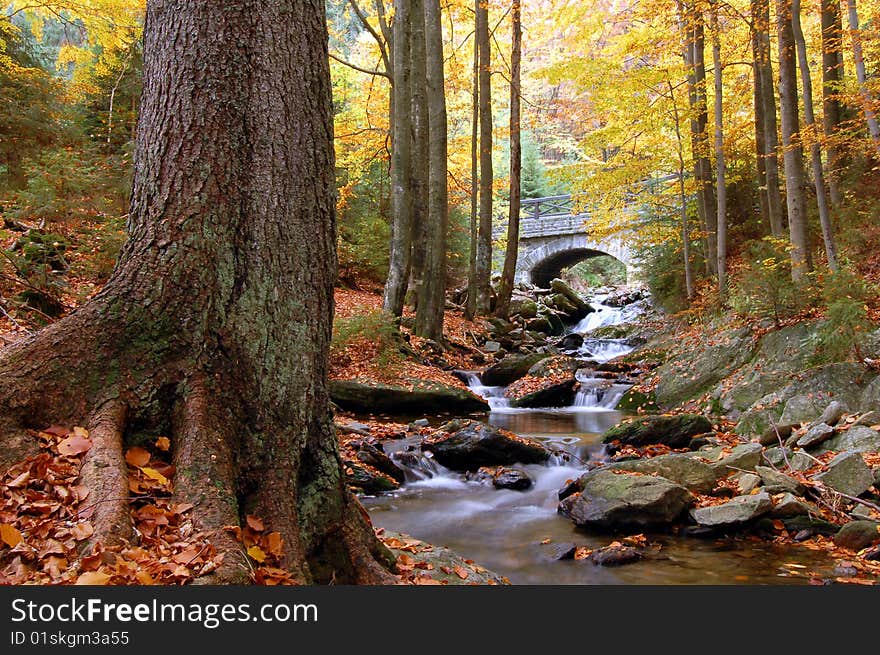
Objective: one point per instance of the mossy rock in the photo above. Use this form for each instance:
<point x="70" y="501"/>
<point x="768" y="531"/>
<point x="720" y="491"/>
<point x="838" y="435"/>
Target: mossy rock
<point x="634" y="400"/>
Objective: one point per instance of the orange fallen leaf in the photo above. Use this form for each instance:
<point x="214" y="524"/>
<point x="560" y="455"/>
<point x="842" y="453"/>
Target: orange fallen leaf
<point x="163" y="444"/>
<point x="93" y="578"/>
<point x="255" y="523"/>
<point x="82" y="531"/>
<point x="153" y="474"/>
<point x="137" y="456"/>
<point x="460" y="572"/>
<point x="74" y="445"/>
<point x="275" y="543"/>
<point x="9" y="535"/>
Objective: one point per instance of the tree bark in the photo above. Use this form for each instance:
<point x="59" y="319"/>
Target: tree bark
<point x="861" y="76"/>
<point x="470" y="309"/>
<point x="419" y="155"/>
<point x="510" y="256"/>
<point x="401" y="192"/>
<point x="432" y="299"/>
<point x="682" y="196"/>
<point x="484" y="240"/>
<point x="766" y="88"/>
<point x="815" y="148"/>
<point x="706" y="187"/>
<point x="791" y="142"/>
<point x="215" y="324"/>
<point x="720" y="168"/>
<point x="832" y="77"/>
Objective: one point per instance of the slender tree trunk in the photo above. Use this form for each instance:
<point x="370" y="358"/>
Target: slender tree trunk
<point x="682" y="196"/>
<point x="484" y="240"/>
<point x="401" y="161"/>
<point x="832" y="76"/>
<point x="760" y="141"/>
<point x="791" y="142"/>
<point x="704" y="164"/>
<point x="432" y="302"/>
<point x="510" y="256"/>
<point x="720" y="167"/>
<point x="861" y="76"/>
<point x="215" y="326"/>
<point x="815" y="148"/>
<point x="764" y="70"/>
<point x="471" y="305"/>
<point x="419" y="155"/>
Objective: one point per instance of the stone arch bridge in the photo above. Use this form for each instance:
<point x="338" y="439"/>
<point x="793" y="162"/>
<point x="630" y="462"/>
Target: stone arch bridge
<point x="552" y="238"/>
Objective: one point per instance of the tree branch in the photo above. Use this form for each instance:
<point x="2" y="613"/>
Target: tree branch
<point x="380" y="40"/>
<point x="358" y="68"/>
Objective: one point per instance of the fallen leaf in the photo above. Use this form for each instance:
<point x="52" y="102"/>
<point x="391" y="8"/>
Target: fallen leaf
<point x="144" y="578"/>
<point x="137" y="456"/>
<point x="81" y="432"/>
<point x="153" y="474"/>
<point x="256" y="553"/>
<point x="74" y="445"/>
<point x="93" y="578"/>
<point x="255" y="523"/>
<point x="9" y="535"/>
<point x="163" y="444"/>
<point x="460" y="572"/>
<point x="188" y="556"/>
<point x="275" y="543"/>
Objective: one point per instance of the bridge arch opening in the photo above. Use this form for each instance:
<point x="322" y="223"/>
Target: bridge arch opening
<point x="544" y="271"/>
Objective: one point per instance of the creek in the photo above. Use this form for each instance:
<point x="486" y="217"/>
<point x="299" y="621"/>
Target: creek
<point x="513" y="533"/>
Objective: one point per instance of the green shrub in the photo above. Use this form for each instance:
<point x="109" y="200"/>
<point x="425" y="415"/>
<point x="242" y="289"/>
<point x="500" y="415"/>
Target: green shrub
<point x="840" y="337"/>
<point x="38" y="261"/>
<point x="764" y="288"/>
<point x="661" y="267"/>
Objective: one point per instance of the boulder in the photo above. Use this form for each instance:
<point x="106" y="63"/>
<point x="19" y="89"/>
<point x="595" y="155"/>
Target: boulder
<point x="694" y="372"/>
<point x="789" y="505"/>
<point x="735" y="512"/>
<point x="800" y="461"/>
<point x="744" y="457"/>
<point x="856" y="535"/>
<point x="491" y="346"/>
<point x="634" y="400"/>
<point x="832" y="414"/>
<point x="581" y="308"/>
<point x="563" y="551"/>
<point x="745" y="482"/>
<point x="555" y="365"/>
<point x="868" y="418"/>
<point x="681" y="468"/>
<point x="615" y="554"/>
<point x="367" y="479"/>
<point x="815" y="435"/>
<point x="439" y="564"/>
<point x="571" y="341"/>
<point x="673" y="431"/>
<point x="375" y="457"/>
<point x="525" y="307"/>
<point x="848" y="474"/>
<point x="776" y="482"/>
<point x="514" y="479"/>
<point x="778" y="456"/>
<point x="509" y="369"/>
<point x="609" y="500"/>
<point x="539" y="324"/>
<point x="477" y="444"/>
<point x="558" y="394"/>
<point x="417" y="397"/>
<point x="809" y="523"/>
<point x="775" y="434"/>
<point x="858" y="438"/>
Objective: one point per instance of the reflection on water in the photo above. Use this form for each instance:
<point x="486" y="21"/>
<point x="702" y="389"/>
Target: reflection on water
<point x="503" y="529"/>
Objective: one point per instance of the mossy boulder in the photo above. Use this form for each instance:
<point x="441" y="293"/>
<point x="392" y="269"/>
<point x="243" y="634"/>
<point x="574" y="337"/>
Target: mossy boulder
<point x="475" y="444"/>
<point x="414" y="397"/>
<point x="673" y="431"/>
<point x="510" y="369"/>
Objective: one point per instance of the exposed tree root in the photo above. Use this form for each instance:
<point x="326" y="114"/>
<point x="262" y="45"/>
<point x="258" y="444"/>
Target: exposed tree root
<point x="105" y="475"/>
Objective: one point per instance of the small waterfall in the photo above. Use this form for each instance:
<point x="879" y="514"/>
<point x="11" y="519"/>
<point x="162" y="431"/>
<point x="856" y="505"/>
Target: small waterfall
<point x="597" y="393"/>
<point x="492" y="395"/>
<point x="603" y="316"/>
<point x="603" y="350"/>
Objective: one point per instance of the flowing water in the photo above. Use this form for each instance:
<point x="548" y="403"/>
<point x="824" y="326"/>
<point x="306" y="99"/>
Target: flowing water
<point x="503" y="530"/>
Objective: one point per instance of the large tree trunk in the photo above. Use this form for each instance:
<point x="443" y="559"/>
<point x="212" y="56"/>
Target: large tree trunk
<point x="720" y="167"/>
<point x="401" y="140"/>
<point x="432" y="300"/>
<point x="484" y="240"/>
<point x="419" y="155"/>
<point x="510" y="256"/>
<point x="815" y="148"/>
<point x="216" y="322"/>
<point x="791" y="142"/>
<point x="765" y="87"/>
<point x="861" y="75"/>
<point x="832" y="76"/>
<point x="682" y="197"/>
<point x="760" y="141"/>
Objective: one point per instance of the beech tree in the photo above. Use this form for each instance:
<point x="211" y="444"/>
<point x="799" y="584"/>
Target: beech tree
<point x="484" y="231"/>
<point x="215" y="325"/>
